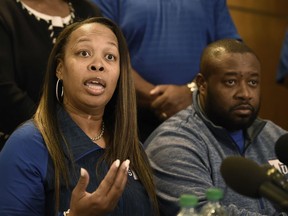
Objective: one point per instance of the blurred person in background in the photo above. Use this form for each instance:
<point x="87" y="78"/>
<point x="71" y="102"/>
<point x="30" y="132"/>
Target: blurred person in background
<point x="28" y="30"/>
<point x="282" y="72"/>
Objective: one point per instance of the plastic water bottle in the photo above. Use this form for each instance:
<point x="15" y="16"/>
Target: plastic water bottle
<point x="188" y="203"/>
<point x="213" y="207"/>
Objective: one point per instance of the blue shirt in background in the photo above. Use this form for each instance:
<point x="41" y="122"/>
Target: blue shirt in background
<point x="166" y="37"/>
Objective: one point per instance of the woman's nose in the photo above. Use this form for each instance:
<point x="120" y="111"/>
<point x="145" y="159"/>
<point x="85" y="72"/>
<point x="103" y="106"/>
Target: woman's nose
<point x="95" y="67"/>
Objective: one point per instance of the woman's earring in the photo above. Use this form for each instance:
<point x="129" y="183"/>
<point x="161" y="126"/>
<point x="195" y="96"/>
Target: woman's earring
<point x="59" y="90"/>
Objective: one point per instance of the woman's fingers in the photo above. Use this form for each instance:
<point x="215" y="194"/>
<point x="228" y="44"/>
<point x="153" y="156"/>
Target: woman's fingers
<point x="120" y="180"/>
<point x="105" y="197"/>
<point x="113" y="185"/>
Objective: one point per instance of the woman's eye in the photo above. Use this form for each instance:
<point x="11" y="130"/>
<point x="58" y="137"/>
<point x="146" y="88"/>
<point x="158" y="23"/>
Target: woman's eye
<point x="110" y="57"/>
<point x="84" y="53"/>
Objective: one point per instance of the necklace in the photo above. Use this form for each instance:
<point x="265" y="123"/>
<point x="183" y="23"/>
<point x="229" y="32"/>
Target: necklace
<point x="100" y="135"/>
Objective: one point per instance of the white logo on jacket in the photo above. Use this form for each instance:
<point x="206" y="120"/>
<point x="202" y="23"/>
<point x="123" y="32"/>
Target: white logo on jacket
<point x="279" y="166"/>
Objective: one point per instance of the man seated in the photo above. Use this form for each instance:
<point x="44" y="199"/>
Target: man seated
<point x="187" y="150"/>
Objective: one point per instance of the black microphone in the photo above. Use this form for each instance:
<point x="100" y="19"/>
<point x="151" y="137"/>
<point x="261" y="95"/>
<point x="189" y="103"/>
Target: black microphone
<point x="246" y="177"/>
<point x="281" y="149"/>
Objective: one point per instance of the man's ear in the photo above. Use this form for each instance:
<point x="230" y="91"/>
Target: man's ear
<point x="201" y="82"/>
<point x="59" y="69"/>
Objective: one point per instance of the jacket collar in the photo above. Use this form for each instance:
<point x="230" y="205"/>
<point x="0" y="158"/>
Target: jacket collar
<point x="78" y="142"/>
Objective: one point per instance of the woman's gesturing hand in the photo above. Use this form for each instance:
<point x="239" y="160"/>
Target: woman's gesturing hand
<point x="105" y="198"/>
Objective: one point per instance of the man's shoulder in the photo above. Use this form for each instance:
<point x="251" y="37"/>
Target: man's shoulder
<point x="182" y="126"/>
<point x="181" y="120"/>
<point x="272" y="129"/>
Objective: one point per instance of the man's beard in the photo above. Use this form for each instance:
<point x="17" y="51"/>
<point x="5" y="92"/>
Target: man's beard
<point x="227" y="119"/>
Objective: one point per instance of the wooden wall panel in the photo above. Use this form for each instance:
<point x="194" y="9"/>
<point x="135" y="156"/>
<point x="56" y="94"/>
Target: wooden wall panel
<point x="262" y="25"/>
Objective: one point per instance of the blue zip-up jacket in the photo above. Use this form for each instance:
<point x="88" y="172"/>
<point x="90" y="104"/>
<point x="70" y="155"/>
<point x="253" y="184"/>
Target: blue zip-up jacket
<point x="186" y="153"/>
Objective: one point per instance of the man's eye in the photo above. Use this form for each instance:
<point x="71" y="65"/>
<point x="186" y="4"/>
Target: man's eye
<point x="110" y="57"/>
<point x="230" y="82"/>
<point x="253" y="82"/>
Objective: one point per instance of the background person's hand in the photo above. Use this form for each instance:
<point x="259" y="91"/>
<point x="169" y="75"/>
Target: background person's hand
<point x="170" y="100"/>
<point x="105" y="198"/>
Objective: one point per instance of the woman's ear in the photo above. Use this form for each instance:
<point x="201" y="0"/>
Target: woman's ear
<point x="59" y="69"/>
